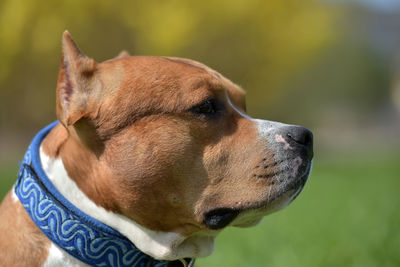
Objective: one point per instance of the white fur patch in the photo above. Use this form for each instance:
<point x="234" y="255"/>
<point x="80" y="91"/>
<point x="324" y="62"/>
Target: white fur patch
<point x="160" y="245"/>
<point x="13" y="195"/>
<point x="58" y="257"/>
<point x="263" y="126"/>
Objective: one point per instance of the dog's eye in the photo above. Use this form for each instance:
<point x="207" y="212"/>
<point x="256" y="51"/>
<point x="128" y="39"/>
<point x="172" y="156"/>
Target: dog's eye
<point x="208" y="107"/>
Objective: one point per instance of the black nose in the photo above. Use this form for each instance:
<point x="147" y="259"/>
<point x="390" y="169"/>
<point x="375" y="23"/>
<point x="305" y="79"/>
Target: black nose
<point x="302" y="137"/>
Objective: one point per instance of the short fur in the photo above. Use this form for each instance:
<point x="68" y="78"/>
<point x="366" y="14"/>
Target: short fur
<point x="130" y="140"/>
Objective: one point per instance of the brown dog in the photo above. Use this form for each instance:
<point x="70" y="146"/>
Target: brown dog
<point x="161" y="150"/>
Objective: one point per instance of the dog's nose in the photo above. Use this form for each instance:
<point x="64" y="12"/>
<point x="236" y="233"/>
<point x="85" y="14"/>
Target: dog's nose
<point x="300" y="137"/>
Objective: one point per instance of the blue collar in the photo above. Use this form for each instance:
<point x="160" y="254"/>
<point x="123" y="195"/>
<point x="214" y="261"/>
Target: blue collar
<point x="82" y="236"/>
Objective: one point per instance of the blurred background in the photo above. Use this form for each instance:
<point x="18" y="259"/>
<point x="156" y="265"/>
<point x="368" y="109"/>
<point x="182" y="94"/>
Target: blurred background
<point x="330" y="65"/>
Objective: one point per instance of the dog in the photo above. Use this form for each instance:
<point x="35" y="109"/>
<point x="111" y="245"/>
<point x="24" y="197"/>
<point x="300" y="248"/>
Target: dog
<point x="151" y="157"/>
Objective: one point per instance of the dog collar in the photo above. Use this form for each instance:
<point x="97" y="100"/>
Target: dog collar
<point x="79" y="234"/>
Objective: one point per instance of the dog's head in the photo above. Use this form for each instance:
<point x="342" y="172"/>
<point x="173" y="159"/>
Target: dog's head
<point x="168" y="144"/>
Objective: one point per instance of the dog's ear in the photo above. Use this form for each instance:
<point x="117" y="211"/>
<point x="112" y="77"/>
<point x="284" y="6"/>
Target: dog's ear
<point x="123" y="54"/>
<point x="76" y="83"/>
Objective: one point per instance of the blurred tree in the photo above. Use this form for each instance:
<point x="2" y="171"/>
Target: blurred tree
<point x="258" y="44"/>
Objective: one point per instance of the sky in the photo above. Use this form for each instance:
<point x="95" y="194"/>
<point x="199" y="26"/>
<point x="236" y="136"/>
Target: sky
<point x="381" y="5"/>
<point x="385" y="5"/>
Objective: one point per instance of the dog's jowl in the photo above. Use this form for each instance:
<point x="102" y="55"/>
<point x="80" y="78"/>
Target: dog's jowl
<point x="151" y="157"/>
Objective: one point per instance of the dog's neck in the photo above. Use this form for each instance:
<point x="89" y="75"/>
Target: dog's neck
<point x="160" y="245"/>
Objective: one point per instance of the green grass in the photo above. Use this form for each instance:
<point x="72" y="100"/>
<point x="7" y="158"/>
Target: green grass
<point x="348" y="215"/>
<point x="8" y="176"/>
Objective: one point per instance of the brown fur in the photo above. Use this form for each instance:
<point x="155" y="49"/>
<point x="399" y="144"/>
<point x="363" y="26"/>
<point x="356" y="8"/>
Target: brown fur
<point x="21" y="242"/>
<point x="130" y="142"/>
<point x="145" y="155"/>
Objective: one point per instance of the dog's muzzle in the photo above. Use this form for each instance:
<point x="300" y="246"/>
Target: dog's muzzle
<point x="292" y="159"/>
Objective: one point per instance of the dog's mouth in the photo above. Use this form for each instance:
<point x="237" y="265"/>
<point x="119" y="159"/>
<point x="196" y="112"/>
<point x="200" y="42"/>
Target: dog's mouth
<point x="220" y="217"/>
<point x="249" y="215"/>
